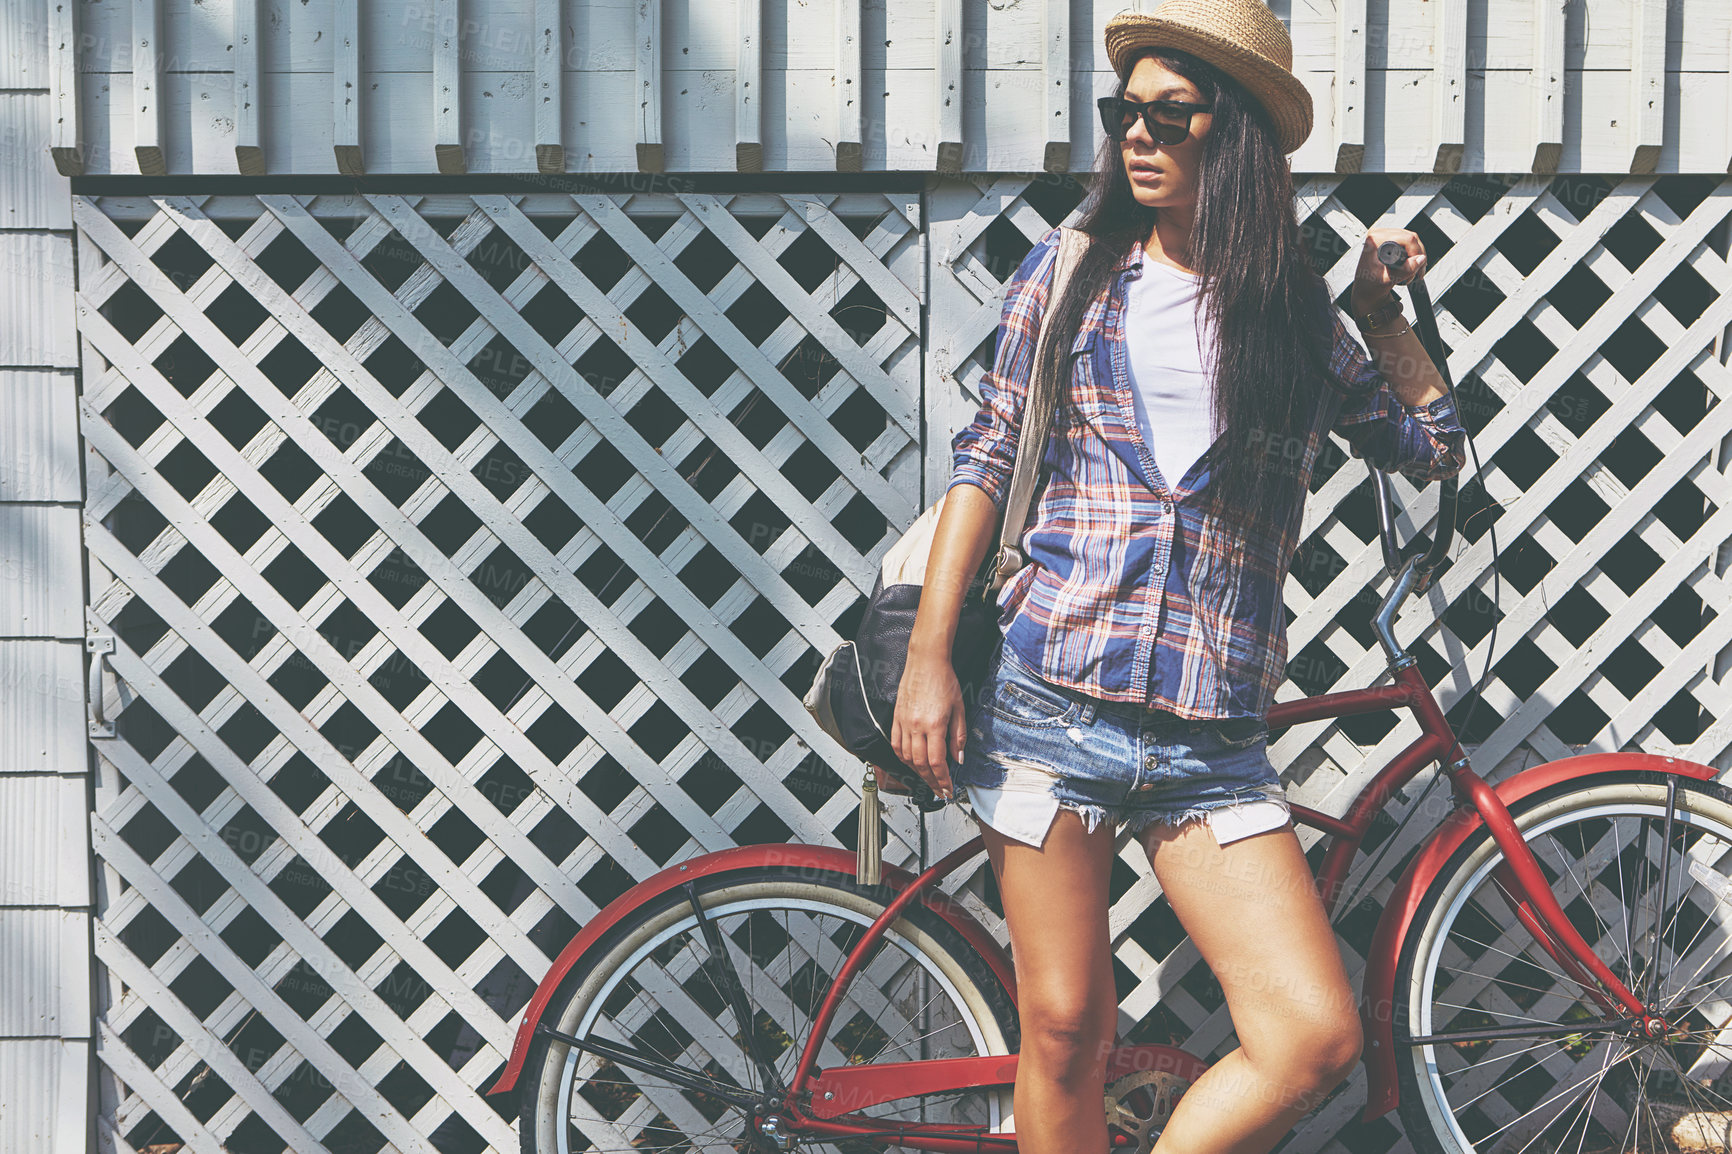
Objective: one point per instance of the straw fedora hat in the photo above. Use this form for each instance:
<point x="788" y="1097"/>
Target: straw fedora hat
<point x="1240" y="37"/>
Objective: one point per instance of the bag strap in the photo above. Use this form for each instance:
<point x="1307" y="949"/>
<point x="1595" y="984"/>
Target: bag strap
<point x="1038" y="411"/>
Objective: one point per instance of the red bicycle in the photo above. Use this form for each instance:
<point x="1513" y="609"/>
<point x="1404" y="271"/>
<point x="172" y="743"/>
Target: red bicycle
<point x="1552" y="972"/>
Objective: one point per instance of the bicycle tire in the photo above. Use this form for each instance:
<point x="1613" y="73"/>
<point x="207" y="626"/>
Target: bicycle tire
<point x="558" y="1113"/>
<point x="1548" y="1093"/>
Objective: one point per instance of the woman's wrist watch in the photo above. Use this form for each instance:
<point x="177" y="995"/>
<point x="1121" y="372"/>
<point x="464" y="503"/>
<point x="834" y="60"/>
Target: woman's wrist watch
<point x="1381" y="320"/>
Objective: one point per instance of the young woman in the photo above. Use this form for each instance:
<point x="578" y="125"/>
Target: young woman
<point x="1144" y="640"/>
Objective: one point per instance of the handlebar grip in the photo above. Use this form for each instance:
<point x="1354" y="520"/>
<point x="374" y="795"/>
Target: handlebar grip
<point x="1394" y="255"/>
<point x="1426" y="315"/>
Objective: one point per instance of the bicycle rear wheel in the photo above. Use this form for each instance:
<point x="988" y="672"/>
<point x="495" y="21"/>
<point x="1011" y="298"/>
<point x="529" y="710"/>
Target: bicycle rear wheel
<point x="656" y="986"/>
<point x="1651" y="897"/>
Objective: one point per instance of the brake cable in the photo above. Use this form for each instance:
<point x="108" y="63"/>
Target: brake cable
<point x="1393" y="254"/>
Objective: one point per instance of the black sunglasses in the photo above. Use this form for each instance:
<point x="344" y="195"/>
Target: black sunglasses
<point x="1168" y="121"/>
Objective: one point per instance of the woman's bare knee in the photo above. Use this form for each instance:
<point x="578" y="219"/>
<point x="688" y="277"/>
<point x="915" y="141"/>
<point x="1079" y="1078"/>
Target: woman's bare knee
<point x="1332" y="1054"/>
<point x="1339" y="1053"/>
<point x="1055" y="904"/>
<point x="1315" y="1060"/>
<point x="1067" y="1032"/>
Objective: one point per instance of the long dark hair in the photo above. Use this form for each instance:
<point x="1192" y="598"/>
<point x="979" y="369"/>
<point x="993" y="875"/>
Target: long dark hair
<point x="1265" y="304"/>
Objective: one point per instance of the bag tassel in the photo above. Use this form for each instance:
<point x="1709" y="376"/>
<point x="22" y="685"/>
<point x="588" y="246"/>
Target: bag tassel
<point x="868" y="861"/>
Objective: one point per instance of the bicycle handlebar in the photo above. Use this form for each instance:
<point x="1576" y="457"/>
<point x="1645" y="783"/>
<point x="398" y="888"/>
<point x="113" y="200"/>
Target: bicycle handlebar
<point x="1425" y="324"/>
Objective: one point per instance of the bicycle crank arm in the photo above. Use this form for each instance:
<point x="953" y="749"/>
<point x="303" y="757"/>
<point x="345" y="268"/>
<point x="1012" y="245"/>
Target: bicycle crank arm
<point x="1503" y="1032"/>
<point x="633" y="1059"/>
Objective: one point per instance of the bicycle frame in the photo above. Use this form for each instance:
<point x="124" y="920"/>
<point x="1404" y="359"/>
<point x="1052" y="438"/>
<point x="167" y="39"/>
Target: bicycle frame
<point x="819" y="1102"/>
<point x="859" y="1086"/>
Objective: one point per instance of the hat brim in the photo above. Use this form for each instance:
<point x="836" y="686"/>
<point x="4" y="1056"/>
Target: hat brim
<point x="1282" y="94"/>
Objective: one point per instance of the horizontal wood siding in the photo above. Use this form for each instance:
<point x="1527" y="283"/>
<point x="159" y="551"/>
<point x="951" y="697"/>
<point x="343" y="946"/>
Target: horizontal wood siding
<point x="45" y="863"/>
<point x="1422" y="75"/>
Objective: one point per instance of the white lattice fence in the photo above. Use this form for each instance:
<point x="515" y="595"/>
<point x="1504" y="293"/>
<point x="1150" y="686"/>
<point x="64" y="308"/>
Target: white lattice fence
<point x="466" y="558"/>
<point x="1586" y="320"/>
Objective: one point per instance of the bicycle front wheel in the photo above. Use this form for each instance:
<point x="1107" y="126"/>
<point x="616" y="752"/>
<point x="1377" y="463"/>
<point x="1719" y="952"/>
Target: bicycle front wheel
<point x="657" y="987"/>
<point x="1642" y="865"/>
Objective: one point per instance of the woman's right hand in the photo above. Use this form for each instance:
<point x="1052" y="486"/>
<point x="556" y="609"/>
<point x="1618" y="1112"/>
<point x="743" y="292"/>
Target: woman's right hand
<point x="929" y="723"/>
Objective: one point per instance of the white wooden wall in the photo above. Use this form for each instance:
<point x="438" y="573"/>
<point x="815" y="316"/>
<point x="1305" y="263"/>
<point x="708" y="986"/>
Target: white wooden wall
<point x="45" y="874"/>
<point x="422" y="86"/>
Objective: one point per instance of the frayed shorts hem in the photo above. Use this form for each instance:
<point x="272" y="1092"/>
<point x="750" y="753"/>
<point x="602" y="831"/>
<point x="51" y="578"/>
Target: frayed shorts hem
<point x="1027" y="817"/>
<point x="1228" y="821"/>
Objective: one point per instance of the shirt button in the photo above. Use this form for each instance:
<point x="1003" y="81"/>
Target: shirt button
<point x="1158" y="568"/>
<point x="1146" y="630"/>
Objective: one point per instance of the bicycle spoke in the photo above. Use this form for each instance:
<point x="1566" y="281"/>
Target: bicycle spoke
<point x="1521" y="957"/>
<point x="1502" y="981"/>
<point x="1604" y="930"/>
<point x="919" y="1038"/>
<point x="1587" y="1028"/>
<point x="1471" y="1080"/>
<point x="1652" y="968"/>
<point x="1587" y="1113"/>
<point x="1714" y="956"/>
<point x="1677" y="913"/>
<point x="1697" y="1095"/>
<point x="1466" y="1102"/>
<point x="1532" y="949"/>
<point x="727" y="979"/>
<point x="1504" y="1056"/>
<point x="1636" y="1114"/>
<point x="1541" y="960"/>
<point x="1712" y="985"/>
<point x="1624" y="862"/>
<point x="1558" y="1094"/>
<point x="1624" y="907"/>
<point x="675" y="1002"/>
<point x="1686" y="896"/>
<point x="1711" y="1102"/>
<point x="1583" y="1113"/>
<point x="1634" y="1120"/>
<point x="1470" y="1077"/>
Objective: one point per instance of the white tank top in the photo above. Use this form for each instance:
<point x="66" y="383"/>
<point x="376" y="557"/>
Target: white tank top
<point x="1172" y="373"/>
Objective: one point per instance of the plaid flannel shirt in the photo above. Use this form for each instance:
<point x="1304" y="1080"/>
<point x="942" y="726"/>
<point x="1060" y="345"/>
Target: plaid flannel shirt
<point x="1133" y="593"/>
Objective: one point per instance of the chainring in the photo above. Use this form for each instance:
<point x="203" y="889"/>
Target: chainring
<point x="1138" y="1106"/>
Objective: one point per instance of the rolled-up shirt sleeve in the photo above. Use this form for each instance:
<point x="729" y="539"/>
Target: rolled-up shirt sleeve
<point x="983" y="452"/>
<point x="1426" y="442"/>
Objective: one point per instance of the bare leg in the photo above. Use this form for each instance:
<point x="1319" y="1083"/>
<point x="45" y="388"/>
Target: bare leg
<point x="1252" y="908"/>
<point x="1055" y="906"/>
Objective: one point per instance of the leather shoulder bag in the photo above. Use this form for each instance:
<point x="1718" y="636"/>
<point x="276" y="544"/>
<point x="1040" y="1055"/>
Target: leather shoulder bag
<point x="853" y="695"/>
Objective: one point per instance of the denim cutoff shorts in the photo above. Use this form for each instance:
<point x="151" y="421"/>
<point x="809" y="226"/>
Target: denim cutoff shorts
<point x="1034" y="748"/>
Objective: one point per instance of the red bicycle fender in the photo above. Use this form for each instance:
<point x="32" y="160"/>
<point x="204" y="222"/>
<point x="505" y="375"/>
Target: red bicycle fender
<point x="743" y="857"/>
<point x="1377" y="1002"/>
